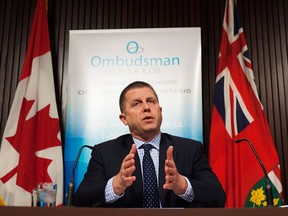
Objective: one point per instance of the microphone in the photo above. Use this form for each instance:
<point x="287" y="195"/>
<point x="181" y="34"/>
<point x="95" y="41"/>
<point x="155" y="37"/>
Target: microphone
<point x="71" y="185"/>
<point x="268" y="185"/>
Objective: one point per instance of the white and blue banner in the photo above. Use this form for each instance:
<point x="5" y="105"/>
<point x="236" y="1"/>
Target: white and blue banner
<point x="103" y="62"/>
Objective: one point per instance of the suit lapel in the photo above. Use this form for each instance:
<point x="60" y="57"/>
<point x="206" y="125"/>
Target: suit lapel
<point x="164" y="144"/>
<point x="137" y="185"/>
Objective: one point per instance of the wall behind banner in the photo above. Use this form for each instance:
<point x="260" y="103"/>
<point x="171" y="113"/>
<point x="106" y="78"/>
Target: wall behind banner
<point x="265" y="26"/>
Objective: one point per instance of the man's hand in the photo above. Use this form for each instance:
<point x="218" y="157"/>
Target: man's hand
<point x="124" y="178"/>
<point x="174" y="181"/>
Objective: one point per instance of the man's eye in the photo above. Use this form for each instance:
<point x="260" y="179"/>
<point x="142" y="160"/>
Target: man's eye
<point x="151" y="101"/>
<point x="135" y="104"/>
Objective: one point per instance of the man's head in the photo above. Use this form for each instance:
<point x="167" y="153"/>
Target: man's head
<point x="140" y="110"/>
<point x="134" y="85"/>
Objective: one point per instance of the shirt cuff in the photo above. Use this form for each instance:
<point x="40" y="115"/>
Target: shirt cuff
<point x="189" y="193"/>
<point x="110" y="196"/>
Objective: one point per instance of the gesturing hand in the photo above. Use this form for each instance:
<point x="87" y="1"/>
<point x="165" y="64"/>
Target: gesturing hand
<point x="124" y="178"/>
<point x="174" y="181"/>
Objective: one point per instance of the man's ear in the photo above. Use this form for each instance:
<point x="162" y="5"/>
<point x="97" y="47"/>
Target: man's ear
<point x="123" y="118"/>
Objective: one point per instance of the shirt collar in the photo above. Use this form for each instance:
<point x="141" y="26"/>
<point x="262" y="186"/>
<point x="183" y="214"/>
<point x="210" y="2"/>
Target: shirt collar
<point x="155" y="142"/>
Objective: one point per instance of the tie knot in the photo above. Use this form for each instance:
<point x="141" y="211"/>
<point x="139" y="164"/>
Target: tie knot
<point x="146" y="147"/>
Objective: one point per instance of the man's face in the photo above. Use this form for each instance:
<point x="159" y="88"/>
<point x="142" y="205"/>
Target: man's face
<point x="142" y="113"/>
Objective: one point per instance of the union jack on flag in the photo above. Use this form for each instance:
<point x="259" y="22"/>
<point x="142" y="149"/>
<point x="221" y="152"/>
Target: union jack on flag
<point x="237" y="114"/>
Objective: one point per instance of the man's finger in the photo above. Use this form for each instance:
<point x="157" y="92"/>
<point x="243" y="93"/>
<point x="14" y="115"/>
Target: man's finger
<point x="169" y="153"/>
<point x="133" y="149"/>
<point x="131" y="154"/>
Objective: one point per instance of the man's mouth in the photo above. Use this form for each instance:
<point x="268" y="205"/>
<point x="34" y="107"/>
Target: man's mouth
<point x="147" y="118"/>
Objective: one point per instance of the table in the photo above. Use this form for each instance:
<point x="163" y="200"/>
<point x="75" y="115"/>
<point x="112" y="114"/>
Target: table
<point x="76" y="211"/>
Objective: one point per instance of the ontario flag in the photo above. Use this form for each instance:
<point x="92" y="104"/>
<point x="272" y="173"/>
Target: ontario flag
<point x="31" y="149"/>
<point x="238" y="114"/>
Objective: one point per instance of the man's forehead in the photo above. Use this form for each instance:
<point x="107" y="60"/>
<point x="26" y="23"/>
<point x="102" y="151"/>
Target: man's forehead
<point x="144" y="92"/>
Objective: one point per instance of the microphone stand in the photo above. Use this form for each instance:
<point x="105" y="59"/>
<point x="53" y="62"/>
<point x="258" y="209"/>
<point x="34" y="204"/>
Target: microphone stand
<point x="71" y="185"/>
<point x="269" y="194"/>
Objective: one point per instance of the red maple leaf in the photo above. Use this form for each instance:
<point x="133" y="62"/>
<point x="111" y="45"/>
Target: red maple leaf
<point x="32" y="135"/>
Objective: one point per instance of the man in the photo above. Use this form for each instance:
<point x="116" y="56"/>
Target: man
<point x="114" y="176"/>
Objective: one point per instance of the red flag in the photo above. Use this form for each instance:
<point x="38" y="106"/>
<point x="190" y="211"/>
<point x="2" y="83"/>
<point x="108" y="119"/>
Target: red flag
<point x="237" y="114"/>
<point x="31" y="149"/>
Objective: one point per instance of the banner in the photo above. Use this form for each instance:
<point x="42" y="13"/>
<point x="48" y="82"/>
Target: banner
<point x="103" y="62"/>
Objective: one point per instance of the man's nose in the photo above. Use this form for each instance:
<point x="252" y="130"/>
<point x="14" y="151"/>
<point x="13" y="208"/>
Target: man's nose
<point x="146" y="107"/>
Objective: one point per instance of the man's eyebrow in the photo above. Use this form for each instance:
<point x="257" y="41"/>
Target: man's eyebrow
<point x="152" y="99"/>
<point x="136" y="99"/>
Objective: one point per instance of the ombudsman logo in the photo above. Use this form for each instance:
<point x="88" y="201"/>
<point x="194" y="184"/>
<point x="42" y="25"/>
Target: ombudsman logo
<point x="140" y="60"/>
<point x="133" y="48"/>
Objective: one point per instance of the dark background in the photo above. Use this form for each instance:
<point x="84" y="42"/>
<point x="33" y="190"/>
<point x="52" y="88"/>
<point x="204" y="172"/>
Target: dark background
<point x="265" y="24"/>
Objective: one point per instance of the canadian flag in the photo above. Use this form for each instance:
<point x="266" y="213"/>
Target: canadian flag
<point x="31" y="149"/>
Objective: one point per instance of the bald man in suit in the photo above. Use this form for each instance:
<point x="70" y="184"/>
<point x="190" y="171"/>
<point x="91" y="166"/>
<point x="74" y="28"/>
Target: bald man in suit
<point x="114" y="176"/>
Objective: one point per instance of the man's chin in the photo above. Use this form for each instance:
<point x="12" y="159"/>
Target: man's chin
<point x="152" y="132"/>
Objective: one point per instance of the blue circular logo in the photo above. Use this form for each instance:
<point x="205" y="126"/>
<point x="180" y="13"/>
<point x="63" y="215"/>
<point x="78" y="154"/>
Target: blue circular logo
<point x="132" y="47"/>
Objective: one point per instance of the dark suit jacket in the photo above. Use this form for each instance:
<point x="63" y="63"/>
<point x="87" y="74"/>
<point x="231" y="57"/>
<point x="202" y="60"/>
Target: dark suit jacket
<point x="190" y="161"/>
